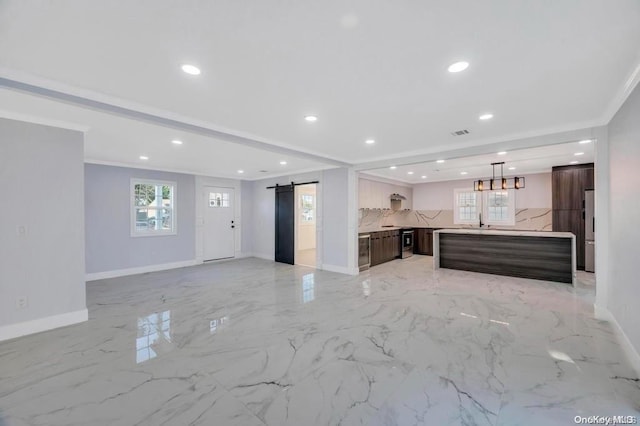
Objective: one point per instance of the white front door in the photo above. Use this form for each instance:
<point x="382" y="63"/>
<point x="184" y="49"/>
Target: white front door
<point x="219" y="227"/>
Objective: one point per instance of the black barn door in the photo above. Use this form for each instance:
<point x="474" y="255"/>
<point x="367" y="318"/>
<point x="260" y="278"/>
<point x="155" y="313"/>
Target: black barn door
<point x="285" y="231"/>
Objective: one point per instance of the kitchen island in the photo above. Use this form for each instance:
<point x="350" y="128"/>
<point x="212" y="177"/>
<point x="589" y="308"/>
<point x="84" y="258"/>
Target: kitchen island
<point x="541" y="255"/>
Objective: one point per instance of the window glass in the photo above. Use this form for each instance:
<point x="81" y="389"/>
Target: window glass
<point x="307" y="208"/>
<point x="218" y="199"/>
<point x="153" y="209"/>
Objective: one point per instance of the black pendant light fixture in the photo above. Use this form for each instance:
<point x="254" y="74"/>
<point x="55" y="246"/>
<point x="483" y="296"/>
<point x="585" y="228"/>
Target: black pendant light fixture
<point x="502" y="183"/>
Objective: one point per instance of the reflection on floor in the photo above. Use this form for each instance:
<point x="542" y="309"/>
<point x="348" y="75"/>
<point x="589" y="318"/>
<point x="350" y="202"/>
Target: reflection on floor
<point x="251" y="342"/>
<point x="306" y="257"/>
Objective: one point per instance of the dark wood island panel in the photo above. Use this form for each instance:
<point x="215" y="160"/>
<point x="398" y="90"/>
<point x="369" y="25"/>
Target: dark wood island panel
<point x="542" y="258"/>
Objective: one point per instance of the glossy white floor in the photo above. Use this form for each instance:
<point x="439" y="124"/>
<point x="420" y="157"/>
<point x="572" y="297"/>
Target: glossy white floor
<point x="251" y="342"/>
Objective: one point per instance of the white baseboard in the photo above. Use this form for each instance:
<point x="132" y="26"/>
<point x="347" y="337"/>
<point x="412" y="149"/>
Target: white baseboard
<point x="262" y="256"/>
<point x="43" y="324"/>
<point x="139" y="270"/>
<point x="631" y="352"/>
<point x="340" y="269"/>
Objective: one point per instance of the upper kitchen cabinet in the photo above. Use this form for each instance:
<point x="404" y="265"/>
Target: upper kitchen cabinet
<point x="373" y="194"/>
<point x="568" y="184"/>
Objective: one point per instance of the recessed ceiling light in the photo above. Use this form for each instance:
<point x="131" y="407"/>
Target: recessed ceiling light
<point x="393" y="167"/>
<point x="458" y="66"/>
<point x="409" y="173"/>
<point x="578" y="154"/>
<point x="240" y="171"/>
<point x="440" y="161"/>
<point x="423" y="177"/>
<point x="463" y="173"/>
<point x="283" y="163"/>
<point x="502" y="153"/>
<point x="144" y="157"/>
<point x="512" y="168"/>
<point x="486" y="117"/>
<point x="176" y="142"/>
<point x="370" y="141"/>
<point x="191" y="69"/>
<point x="585" y="141"/>
<point x="573" y="162"/>
<point x="311" y="118"/>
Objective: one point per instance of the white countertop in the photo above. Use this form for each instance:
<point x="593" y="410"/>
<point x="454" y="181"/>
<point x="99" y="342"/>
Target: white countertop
<point x="507" y="232"/>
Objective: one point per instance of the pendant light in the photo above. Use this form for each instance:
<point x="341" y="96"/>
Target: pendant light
<point x="503" y="183"/>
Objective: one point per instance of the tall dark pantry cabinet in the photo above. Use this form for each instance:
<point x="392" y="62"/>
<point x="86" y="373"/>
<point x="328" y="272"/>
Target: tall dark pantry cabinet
<point x="568" y="186"/>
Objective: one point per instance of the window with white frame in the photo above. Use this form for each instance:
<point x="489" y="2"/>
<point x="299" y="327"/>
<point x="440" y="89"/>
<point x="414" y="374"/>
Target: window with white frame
<point x="153" y="209"/>
<point x="497" y="207"/>
<point x="467" y="206"/>
<point x="219" y="199"/>
<point x="307" y="208"/>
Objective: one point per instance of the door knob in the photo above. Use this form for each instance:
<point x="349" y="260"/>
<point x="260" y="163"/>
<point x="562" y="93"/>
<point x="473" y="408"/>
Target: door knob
<point x="232" y="226"/>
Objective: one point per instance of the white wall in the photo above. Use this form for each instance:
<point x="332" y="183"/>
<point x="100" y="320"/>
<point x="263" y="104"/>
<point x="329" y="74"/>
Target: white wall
<point x="41" y="182"/>
<point x="110" y="248"/>
<point x="374" y="194"/>
<point x="622" y="245"/>
<point x="439" y="195"/>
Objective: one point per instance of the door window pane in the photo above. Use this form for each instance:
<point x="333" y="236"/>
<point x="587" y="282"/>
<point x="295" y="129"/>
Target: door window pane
<point x="219" y="199"/>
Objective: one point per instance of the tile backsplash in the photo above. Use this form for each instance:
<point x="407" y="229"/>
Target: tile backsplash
<point x="533" y="219"/>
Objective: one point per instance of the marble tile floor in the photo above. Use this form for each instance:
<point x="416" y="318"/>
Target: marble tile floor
<point x="252" y="342"/>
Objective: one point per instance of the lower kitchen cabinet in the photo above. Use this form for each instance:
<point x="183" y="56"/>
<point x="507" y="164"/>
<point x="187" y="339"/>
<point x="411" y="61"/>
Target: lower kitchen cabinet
<point x="385" y="246"/>
<point x="423" y="241"/>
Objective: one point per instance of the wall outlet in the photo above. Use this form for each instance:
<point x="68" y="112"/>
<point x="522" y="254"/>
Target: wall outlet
<point x="22" y="302"/>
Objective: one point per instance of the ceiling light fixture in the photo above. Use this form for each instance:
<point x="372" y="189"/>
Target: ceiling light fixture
<point x="240" y="171"/>
<point x="585" y="141"/>
<point x="393" y="167"/>
<point x="486" y="117"/>
<point x="176" y="142"/>
<point x="463" y="173"/>
<point x="409" y="173"/>
<point x="423" y="177"/>
<point x="283" y="163"/>
<point x="577" y="154"/>
<point x="144" y="157"/>
<point x="512" y="168"/>
<point x="574" y="162"/>
<point x="502" y="153"/>
<point x="191" y="69"/>
<point x="503" y="183"/>
<point x="311" y="118"/>
<point x="370" y="141"/>
<point x="458" y="66"/>
<point x="440" y="161"/>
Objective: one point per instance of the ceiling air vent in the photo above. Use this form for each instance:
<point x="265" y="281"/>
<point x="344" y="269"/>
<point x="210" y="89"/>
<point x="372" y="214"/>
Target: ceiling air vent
<point x="262" y="171"/>
<point x="460" y="132"/>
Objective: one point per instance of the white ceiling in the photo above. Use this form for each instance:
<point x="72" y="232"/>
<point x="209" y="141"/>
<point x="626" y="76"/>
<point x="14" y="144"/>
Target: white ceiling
<point x="367" y="69"/>
<point x="525" y="161"/>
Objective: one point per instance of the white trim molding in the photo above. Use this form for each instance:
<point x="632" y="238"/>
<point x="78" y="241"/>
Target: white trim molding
<point x="603" y="314"/>
<point x="340" y="269"/>
<point x="20" y="329"/>
<point x="139" y="270"/>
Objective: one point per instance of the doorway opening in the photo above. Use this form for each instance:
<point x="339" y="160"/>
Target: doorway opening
<point x="305" y="225"/>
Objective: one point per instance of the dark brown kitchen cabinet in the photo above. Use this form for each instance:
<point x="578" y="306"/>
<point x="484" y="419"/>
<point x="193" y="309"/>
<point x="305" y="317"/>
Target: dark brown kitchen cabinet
<point x="385" y="246"/>
<point x="568" y="184"/>
<point x="571" y="221"/>
<point x="423" y="241"/>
